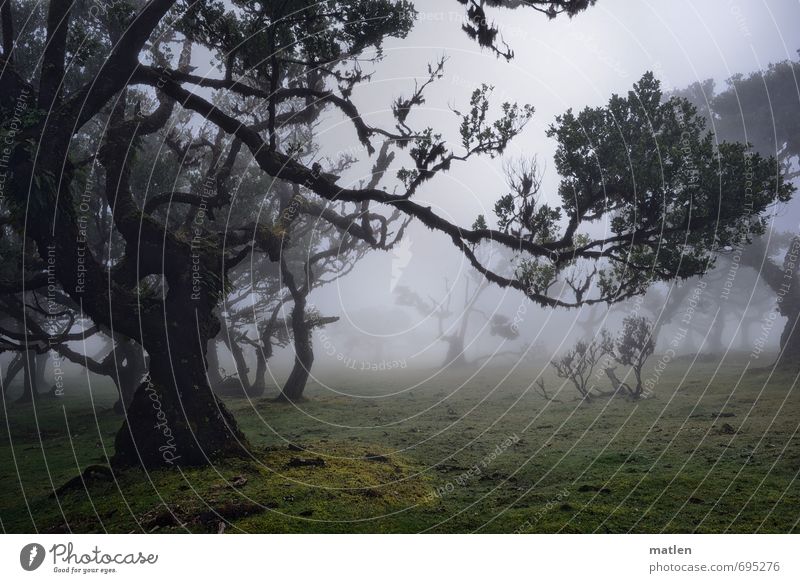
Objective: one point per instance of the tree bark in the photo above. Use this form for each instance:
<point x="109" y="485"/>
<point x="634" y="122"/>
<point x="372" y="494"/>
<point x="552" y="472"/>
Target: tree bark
<point x="259" y="384"/>
<point x="790" y="342"/>
<point x="41" y="366"/>
<point x="174" y="417"/>
<point x="242" y="370"/>
<point x="29" y="385"/>
<point x="455" y="351"/>
<point x="131" y="368"/>
<point x="14" y="367"/>
<point x="212" y="359"/>
<point x="785" y="283"/>
<point x="303" y="351"/>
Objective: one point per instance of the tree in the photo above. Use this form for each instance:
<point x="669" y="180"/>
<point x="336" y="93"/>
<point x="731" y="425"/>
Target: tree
<point x="454" y="323"/>
<point x="197" y="422"/>
<point x="634" y="346"/>
<point x="783" y="279"/>
<point x="183" y="267"/>
<point x="478" y="26"/>
<point x="578" y="363"/>
<point x="452" y="326"/>
<point x="761" y="108"/>
<point x="33" y="334"/>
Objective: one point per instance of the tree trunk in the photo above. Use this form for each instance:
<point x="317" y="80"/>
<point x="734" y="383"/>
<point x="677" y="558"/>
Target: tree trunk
<point x="303" y="351"/>
<point x="790" y="342"/>
<point x="242" y="370"/>
<point x="212" y="358"/>
<point x="715" y="345"/>
<point x="29" y="385"/>
<point x="265" y="351"/>
<point x="174" y="417"/>
<point x="455" y="351"/>
<point x="131" y="367"/>
<point x="259" y="384"/>
<point x="40" y="361"/>
<point x="14" y="366"/>
<point x="785" y="283"/>
<point x="304" y="355"/>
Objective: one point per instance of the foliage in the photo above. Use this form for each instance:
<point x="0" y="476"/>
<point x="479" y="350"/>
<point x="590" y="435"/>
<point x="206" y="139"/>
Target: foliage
<point x="634" y="345"/>
<point x="579" y="362"/>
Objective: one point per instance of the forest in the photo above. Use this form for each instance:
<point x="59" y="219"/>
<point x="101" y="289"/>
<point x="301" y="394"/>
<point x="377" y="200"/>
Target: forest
<point x="297" y="266"/>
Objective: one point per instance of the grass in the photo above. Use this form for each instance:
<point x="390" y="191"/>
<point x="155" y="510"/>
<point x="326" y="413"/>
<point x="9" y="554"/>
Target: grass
<point x="712" y="451"/>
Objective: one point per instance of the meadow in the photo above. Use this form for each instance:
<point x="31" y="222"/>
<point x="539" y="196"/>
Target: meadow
<point x="714" y="449"/>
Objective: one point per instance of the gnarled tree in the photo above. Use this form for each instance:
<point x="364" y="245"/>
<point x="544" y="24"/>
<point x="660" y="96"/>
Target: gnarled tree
<point x="649" y="168"/>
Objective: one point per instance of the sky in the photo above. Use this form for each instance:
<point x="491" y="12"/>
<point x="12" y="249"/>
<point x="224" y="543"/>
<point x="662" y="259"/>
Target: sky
<point x="559" y="64"/>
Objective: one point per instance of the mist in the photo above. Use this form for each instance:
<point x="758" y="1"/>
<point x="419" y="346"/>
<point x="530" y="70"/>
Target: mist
<point x="401" y="266"/>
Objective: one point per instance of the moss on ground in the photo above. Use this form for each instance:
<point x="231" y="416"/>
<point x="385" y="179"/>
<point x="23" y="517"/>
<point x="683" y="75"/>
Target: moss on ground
<point x="489" y="456"/>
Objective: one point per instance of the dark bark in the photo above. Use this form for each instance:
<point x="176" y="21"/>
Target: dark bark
<point x="29" y="385"/>
<point x="784" y="281"/>
<point x="52" y="73"/>
<point x="265" y="350"/>
<point x="303" y="351"/>
<point x="125" y="364"/>
<point x="14" y="367"/>
<point x="174" y="417"/>
<point x="232" y="344"/>
<point x="259" y="384"/>
<point x="130" y="368"/>
<point x="40" y="365"/>
<point x="212" y="359"/>
<point x="7" y="30"/>
<point x="189" y="426"/>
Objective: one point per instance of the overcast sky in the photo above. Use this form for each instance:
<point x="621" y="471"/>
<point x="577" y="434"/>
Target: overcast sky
<point x="558" y="64"/>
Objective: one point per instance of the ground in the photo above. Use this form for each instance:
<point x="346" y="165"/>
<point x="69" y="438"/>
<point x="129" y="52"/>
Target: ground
<point x="712" y="450"/>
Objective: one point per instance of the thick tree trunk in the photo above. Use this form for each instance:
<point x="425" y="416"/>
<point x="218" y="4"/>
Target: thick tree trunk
<point x="785" y="282"/>
<point x="132" y="367"/>
<point x="174" y="417"/>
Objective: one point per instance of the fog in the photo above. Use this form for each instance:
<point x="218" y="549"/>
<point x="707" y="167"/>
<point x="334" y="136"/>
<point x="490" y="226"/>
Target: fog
<point x="559" y="64"/>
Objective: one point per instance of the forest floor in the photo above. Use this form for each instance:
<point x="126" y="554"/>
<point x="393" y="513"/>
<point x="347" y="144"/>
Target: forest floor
<point x="712" y="450"/>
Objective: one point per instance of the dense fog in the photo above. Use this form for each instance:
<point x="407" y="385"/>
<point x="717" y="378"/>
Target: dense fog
<point x="420" y="305"/>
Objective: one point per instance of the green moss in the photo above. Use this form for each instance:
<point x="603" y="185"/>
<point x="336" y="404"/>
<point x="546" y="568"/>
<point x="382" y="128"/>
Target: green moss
<point x="659" y="464"/>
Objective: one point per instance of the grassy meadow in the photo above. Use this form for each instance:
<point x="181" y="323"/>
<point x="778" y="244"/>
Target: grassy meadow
<point x="714" y="449"/>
